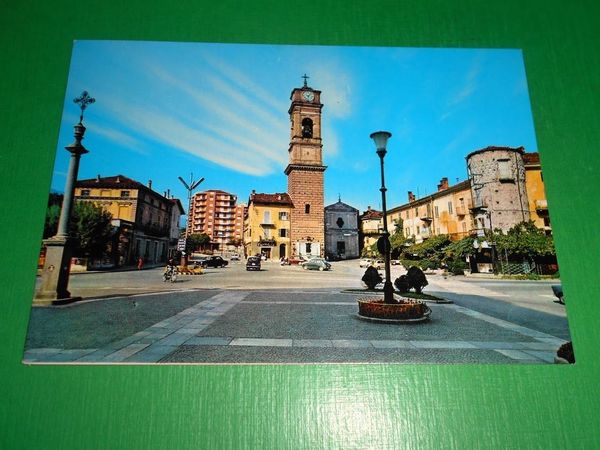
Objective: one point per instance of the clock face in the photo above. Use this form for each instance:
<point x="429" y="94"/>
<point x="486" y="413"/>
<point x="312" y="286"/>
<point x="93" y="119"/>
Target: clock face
<point x="307" y="95"/>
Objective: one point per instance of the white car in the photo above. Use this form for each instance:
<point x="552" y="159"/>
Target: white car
<point x="365" y="262"/>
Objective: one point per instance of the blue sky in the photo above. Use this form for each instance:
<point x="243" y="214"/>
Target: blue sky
<point x="219" y="111"/>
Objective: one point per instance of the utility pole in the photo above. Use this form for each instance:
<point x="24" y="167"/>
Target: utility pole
<point x="190" y="188"/>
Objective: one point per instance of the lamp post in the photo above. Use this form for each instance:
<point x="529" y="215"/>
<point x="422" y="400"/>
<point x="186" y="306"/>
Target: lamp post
<point x="190" y="188"/>
<point x="57" y="265"/>
<point x="383" y="245"/>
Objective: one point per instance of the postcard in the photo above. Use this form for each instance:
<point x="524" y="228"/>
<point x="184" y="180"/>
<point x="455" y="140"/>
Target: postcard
<point x="279" y="204"/>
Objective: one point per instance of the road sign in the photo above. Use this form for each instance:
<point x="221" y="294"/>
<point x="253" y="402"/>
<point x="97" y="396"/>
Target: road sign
<point x="181" y="245"/>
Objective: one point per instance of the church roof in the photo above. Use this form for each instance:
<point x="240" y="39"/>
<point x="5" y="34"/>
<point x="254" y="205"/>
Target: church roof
<point x="340" y="206"/>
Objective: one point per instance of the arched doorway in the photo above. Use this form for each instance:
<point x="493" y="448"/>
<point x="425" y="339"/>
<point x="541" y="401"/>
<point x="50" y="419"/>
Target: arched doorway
<point x="282" y="251"/>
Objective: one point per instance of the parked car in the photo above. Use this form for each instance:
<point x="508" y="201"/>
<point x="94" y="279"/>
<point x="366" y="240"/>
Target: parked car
<point x="365" y="262"/>
<point x="395" y="262"/>
<point x="316" y="264"/>
<point x="253" y="263"/>
<point x="214" y="261"/>
<point x="234" y="257"/>
<point x="378" y="264"/>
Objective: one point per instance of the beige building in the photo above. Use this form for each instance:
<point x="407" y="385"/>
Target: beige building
<point x="267" y="225"/>
<point x="370" y="228"/>
<point x="446" y="211"/>
<point x="142" y="218"/>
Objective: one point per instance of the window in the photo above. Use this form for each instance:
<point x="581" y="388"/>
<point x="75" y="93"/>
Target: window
<point x="450" y="207"/>
<point x="125" y="194"/>
<point x="85" y="192"/>
<point x="436" y="211"/>
<point x="307" y="210"/>
<point x="307" y="128"/>
<point x="283" y="215"/>
<point x="308" y="247"/>
<point x="267" y="217"/>
<point x="504" y="172"/>
<point x="283" y="232"/>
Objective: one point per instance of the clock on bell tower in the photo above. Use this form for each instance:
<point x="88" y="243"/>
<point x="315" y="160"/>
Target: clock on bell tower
<point x="305" y="172"/>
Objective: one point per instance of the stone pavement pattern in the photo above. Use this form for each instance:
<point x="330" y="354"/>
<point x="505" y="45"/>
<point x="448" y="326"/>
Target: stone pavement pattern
<point x="300" y="326"/>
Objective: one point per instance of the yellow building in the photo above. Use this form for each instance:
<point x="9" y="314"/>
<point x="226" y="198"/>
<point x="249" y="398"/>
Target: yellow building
<point x="370" y="228"/>
<point x="142" y="218"/>
<point x="536" y="194"/>
<point x="443" y="212"/>
<point x="267" y="225"/>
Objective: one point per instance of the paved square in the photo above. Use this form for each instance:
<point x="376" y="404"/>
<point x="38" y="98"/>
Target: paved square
<point x="318" y="326"/>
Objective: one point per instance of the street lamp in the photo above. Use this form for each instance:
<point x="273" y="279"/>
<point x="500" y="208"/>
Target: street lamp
<point x="190" y="188"/>
<point x="383" y="244"/>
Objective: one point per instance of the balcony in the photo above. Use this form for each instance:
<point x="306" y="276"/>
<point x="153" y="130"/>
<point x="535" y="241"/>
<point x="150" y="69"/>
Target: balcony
<point x="426" y="216"/>
<point x="462" y="210"/>
<point x="478" y="206"/>
<point x="267" y="224"/>
<point x="267" y="243"/>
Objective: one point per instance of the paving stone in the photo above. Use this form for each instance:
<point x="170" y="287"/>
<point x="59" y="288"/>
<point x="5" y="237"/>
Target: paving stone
<point x="516" y="354"/>
<point x="391" y="344"/>
<point x="174" y="339"/>
<point x="544" y="356"/>
<point x="124" y="353"/>
<point x="350" y="343"/>
<point x="442" y="344"/>
<point x="97" y="355"/>
<point x="208" y="340"/>
<point x="152" y="353"/>
<point x="262" y="342"/>
<point x="312" y="343"/>
<point x="499" y="345"/>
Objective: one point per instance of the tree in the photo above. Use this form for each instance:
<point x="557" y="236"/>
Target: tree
<point x="524" y="240"/>
<point x="52" y="214"/>
<point x="91" y="229"/>
<point x="195" y="241"/>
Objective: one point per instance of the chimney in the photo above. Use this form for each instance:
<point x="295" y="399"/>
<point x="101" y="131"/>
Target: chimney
<point x="149" y="184"/>
<point x="118" y="180"/>
<point x="369" y="208"/>
<point x="168" y="193"/>
<point x="98" y="178"/>
<point x="411" y="197"/>
<point x="443" y="184"/>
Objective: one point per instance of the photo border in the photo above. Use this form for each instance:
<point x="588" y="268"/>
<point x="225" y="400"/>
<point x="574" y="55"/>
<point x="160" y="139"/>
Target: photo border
<point x="312" y="406"/>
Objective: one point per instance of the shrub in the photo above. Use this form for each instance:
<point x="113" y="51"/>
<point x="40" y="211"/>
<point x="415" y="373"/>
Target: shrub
<point x="371" y="277"/>
<point x="565" y="351"/>
<point x="457" y="267"/>
<point x="416" y="279"/>
<point x="401" y="284"/>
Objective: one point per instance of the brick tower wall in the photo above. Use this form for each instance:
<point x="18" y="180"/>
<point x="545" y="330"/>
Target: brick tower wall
<point x="307" y="187"/>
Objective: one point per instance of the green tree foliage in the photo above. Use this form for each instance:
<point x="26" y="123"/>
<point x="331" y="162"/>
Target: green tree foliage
<point x="524" y="240"/>
<point x="196" y="241"/>
<point x="52" y="214"/>
<point x="91" y="229"/>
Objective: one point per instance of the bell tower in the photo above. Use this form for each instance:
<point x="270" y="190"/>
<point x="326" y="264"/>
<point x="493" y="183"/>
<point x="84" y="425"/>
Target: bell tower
<point x="305" y="173"/>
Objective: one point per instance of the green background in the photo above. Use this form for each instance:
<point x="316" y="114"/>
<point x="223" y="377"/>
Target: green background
<point x="313" y="406"/>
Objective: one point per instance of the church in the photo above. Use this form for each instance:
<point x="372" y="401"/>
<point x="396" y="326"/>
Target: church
<point x="300" y="231"/>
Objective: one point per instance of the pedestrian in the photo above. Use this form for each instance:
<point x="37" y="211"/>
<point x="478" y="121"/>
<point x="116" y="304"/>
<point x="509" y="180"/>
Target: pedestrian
<point x="140" y="263"/>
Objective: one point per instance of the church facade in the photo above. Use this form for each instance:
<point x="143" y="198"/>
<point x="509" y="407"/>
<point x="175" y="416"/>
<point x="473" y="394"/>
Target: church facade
<point x="341" y="231"/>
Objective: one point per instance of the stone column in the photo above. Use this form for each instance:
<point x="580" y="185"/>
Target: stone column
<point x="55" y="274"/>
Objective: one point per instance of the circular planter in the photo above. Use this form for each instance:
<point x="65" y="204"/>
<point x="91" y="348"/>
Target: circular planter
<point x="407" y="311"/>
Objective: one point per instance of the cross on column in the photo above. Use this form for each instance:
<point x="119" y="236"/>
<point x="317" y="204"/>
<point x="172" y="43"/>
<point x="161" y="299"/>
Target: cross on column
<point x="83" y="101"/>
<point x="305" y="78"/>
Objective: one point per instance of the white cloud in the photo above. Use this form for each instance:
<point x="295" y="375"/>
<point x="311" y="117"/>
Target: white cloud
<point x="465" y="92"/>
<point x="117" y="137"/>
<point x="336" y="85"/>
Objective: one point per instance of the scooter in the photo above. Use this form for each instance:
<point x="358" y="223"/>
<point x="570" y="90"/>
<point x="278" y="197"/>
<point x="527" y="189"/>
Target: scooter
<point x="170" y="274"/>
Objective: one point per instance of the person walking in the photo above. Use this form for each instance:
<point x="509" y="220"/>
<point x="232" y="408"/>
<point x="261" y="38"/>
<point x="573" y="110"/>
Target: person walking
<point x="140" y="263"/>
